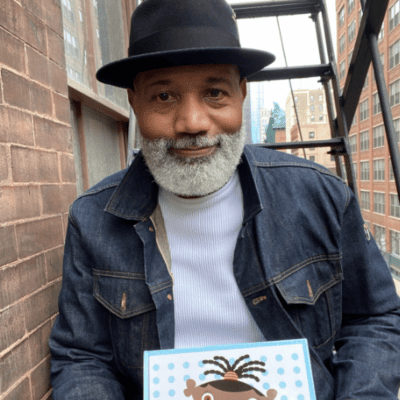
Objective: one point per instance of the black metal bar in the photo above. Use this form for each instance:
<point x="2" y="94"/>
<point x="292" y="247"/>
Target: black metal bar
<point x="273" y="74"/>
<point x="328" y="93"/>
<point x="386" y="110"/>
<point x="337" y="143"/>
<point x="373" y="16"/>
<point x="275" y="9"/>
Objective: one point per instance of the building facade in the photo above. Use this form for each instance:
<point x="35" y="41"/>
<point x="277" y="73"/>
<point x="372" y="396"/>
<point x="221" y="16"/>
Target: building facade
<point x="375" y="181"/>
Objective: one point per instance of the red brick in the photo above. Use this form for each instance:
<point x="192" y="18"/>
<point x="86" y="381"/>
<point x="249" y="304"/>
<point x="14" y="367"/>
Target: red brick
<point x="38" y="66"/>
<point x="45" y="304"/>
<point x="57" y="198"/>
<point x="41" y="101"/>
<point x="36" y="236"/>
<point x="12" y="51"/>
<point x="13" y="326"/>
<point x="33" y="165"/>
<point x="67" y="168"/>
<point x="23" y="24"/>
<point x="56" y="47"/>
<point x="48" y="12"/>
<point x="41" y="377"/>
<point x="7" y="204"/>
<point x="16" y="90"/>
<point x="3" y="163"/>
<point x="8" y="248"/>
<point x="52" y="135"/>
<point x="62" y="108"/>
<point x="14" y="365"/>
<point x="21" y="392"/>
<point x="21" y="280"/>
<point x="58" y="78"/>
<point x="15" y="126"/>
<point x="27" y="202"/>
<point x="38" y="343"/>
<point x="54" y="263"/>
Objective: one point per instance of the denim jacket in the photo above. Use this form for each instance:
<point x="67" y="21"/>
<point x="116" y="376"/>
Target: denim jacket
<point x="304" y="263"/>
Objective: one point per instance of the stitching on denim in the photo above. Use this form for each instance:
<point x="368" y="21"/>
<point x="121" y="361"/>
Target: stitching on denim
<point x="161" y="286"/>
<point x="255" y="254"/>
<point x="326" y="341"/>
<point x="254" y="289"/>
<point x="98" y="190"/>
<point x="118" y="274"/>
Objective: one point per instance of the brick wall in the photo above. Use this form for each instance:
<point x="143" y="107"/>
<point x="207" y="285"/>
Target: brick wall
<point x="37" y="184"/>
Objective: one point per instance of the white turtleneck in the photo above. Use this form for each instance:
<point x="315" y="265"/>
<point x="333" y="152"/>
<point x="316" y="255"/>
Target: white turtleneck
<point x="202" y="235"/>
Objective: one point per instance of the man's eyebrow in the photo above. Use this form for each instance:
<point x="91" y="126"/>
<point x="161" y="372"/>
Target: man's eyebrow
<point x="161" y="82"/>
<point x="219" y="80"/>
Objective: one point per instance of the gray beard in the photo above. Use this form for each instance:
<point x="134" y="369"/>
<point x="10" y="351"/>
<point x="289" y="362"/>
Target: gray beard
<point x="200" y="176"/>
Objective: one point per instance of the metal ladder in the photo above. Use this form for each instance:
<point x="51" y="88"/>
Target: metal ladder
<point x="345" y="104"/>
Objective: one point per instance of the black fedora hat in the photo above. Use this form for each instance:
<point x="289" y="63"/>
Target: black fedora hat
<point x="167" y="33"/>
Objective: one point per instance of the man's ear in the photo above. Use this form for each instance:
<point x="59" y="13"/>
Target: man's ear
<point x="243" y="87"/>
<point x="132" y="99"/>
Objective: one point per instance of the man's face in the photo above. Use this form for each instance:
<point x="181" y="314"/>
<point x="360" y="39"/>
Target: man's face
<point x="190" y="120"/>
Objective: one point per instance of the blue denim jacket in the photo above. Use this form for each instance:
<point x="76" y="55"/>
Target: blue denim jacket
<point x="304" y="264"/>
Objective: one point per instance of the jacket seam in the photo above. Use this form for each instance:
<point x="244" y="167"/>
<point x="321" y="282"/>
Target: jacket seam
<point x="117" y="274"/>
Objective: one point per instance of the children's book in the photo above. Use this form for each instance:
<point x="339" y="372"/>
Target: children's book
<point x="253" y="371"/>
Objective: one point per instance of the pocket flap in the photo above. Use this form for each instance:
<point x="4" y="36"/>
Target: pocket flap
<point x="305" y="284"/>
<point x="124" y="294"/>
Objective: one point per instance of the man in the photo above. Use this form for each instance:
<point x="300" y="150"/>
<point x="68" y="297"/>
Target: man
<point x="206" y="241"/>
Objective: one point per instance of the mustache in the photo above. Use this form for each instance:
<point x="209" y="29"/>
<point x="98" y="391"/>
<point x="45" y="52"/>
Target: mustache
<point x="189" y="142"/>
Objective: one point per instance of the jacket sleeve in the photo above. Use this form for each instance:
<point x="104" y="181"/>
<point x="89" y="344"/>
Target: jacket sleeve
<point x="367" y="360"/>
<point x="82" y="365"/>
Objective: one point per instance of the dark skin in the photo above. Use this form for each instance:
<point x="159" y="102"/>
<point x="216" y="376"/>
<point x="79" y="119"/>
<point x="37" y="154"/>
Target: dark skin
<point x="208" y="392"/>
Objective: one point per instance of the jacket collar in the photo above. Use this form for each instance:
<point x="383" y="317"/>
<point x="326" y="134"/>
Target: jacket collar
<point x="136" y="197"/>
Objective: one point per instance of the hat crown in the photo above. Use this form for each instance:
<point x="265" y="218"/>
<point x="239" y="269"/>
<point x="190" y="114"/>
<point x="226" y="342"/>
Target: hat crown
<point x="157" y="16"/>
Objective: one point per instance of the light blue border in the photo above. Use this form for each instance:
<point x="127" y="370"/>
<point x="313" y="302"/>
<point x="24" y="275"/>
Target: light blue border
<point x="303" y="342"/>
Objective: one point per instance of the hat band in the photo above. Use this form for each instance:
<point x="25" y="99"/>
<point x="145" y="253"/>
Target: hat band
<point x="182" y="38"/>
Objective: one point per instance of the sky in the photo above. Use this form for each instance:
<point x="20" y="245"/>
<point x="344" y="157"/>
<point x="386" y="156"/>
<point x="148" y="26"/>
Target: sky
<point x="300" y="43"/>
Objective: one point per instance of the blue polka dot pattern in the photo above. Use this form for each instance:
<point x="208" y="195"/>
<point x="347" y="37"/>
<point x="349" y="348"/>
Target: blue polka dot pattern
<point x="201" y="364"/>
<point x="186" y="377"/>
<point x="186" y="365"/>
<point x="171" y="379"/>
<point x="265" y="373"/>
<point x="231" y="361"/>
<point x="282" y="385"/>
<point x="156" y="394"/>
<point x="284" y="398"/>
<point x="296" y="370"/>
<point x="171" y="392"/>
<point x="217" y="377"/>
<point x="156" y="381"/>
<point x="300" y="397"/>
<point x="171" y="366"/>
<point x="299" y="383"/>
<point x="295" y="356"/>
<point x="266" y="386"/>
<point x="263" y="358"/>
<point x="202" y="377"/>
<point x="279" y="357"/>
<point x="281" y="371"/>
<point x="156" y="367"/>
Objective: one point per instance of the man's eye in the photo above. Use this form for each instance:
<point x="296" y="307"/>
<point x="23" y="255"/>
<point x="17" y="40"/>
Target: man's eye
<point x="164" y="96"/>
<point x="216" y="93"/>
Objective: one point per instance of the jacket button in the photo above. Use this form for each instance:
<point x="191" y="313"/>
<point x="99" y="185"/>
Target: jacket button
<point x="169" y="297"/>
<point x="151" y="229"/>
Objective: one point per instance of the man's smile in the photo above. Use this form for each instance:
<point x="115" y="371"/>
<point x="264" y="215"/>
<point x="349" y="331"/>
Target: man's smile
<point x="194" y="151"/>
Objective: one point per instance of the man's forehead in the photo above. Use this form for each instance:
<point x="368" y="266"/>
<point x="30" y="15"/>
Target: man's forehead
<point x="211" y="73"/>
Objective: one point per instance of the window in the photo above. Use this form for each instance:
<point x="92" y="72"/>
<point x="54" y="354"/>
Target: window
<point x="378" y="135"/>
<point x="391" y="173"/>
<point x="67" y="10"/>
<point x="376" y="103"/>
<point x="379" y="170"/>
<point x="311" y="98"/>
<point x="312" y="108"/>
<point x="394" y="54"/>
<point x="380" y="237"/>
<point x="320" y="117"/>
<point x="364" y="140"/>
<point x="394" y="92"/>
<point x="365" y="82"/>
<point x="364" y="112"/>
<point x="296" y="100"/>
<point x="379" y="203"/>
<point x="342" y="69"/>
<point x="364" y="170"/>
<point x="321" y="107"/>
<point x="341" y="17"/>
<point x="353" y="143"/>
<point x="342" y="43"/>
<point x="350" y="57"/>
<point x="355" y="170"/>
<point x="395" y="242"/>
<point x="71" y="44"/>
<point x="311" y="135"/>
<point x="80" y="15"/>
<point x="354" y="122"/>
<point x="394" y="206"/>
<point x="381" y="33"/>
<point x="351" y="31"/>
<point x="396" y="124"/>
<point x="393" y="16"/>
<point x="320" y="97"/>
<point x="365" y="204"/>
<point x="350" y="6"/>
<point x="360" y="14"/>
<point x="312" y="118"/>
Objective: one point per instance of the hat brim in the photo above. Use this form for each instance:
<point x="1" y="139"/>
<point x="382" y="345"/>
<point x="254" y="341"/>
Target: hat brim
<point x="122" y="73"/>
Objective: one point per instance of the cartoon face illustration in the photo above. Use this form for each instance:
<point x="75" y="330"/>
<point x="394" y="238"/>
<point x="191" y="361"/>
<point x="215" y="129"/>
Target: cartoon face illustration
<point x="229" y="388"/>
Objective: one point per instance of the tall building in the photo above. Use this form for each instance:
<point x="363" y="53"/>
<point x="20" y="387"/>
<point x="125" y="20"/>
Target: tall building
<point x="375" y="180"/>
<point x="313" y="124"/>
<point x="256" y="103"/>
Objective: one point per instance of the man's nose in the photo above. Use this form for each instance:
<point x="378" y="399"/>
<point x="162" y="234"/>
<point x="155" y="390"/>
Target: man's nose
<point x="192" y="116"/>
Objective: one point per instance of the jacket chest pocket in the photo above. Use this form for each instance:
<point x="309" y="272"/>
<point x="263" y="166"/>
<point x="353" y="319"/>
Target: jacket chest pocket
<point x="312" y="297"/>
<point x="132" y="318"/>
